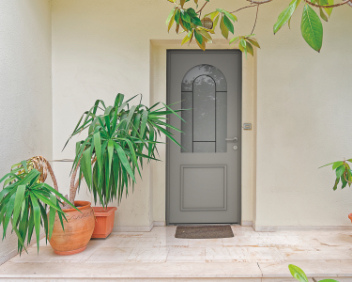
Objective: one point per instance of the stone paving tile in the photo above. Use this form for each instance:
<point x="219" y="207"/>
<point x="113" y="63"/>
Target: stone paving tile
<point x="158" y="256"/>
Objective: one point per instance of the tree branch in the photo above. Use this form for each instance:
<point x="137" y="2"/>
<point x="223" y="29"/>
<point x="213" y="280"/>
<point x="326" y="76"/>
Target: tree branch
<point x="245" y="7"/>
<point x="326" y="6"/>
<point x="259" y="2"/>
<point x="201" y="9"/>
<point x="255" y="21"/>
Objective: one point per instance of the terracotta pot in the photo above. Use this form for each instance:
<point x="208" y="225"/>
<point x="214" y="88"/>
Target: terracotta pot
<point x="104" y="221"/>
<point x="350" y="216"/>
<point x="78" y="230"/>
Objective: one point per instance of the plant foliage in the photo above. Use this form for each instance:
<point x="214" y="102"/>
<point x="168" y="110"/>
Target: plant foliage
<point x="343" y="173"/>
<point x="201" y="28"/>
<point x="119" y="138"/>
<point x="28" y="204"/>
<point x="299" y="274"/>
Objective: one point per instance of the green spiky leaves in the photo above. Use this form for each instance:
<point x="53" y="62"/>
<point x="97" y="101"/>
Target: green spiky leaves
<point x="25" y="204"/>
<point x="119" y="139"/>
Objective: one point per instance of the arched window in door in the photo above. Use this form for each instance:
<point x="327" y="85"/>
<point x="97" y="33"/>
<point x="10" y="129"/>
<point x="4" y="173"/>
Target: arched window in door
<point x="204" y="93"/>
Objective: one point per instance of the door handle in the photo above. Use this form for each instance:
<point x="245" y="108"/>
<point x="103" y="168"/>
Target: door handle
<point x="234" y="140"/>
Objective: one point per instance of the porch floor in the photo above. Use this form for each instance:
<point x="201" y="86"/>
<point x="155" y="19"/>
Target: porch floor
<point x="158" y="256"/>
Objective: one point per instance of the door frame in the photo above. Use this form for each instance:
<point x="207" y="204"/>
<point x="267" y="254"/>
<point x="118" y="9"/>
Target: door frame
<point x="168" y="157"/>
<point x="158" y="88"/>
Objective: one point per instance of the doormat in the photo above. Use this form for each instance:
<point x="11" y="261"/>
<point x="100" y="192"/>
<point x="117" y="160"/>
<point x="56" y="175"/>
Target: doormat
<point x="204" y="231"/>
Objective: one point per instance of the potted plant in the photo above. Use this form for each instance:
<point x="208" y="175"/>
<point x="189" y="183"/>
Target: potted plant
<point x="343" y="175"/>
<point x="28" y="203"/>
<point x="118" y="141"/>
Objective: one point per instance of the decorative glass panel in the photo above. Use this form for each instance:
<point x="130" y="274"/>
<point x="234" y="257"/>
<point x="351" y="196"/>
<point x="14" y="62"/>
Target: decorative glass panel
<point x="204" y="93"/>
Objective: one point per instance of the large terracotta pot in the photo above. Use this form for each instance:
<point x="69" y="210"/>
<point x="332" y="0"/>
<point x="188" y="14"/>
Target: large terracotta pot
<point x="350" y="216"/>
<point x="78" y="230"/>
<point x="104" y="221"/>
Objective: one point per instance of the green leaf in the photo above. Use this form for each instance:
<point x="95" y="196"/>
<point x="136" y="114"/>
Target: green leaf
<point x="196" y="21"/>
<point x="235" y="39"/>
<point x="336" y="183"/>
<point x="328" y="280"/>
<point x="298" y="273"/>
<point x="52" y="213"/>
<point x="177" y="16"/>
<point x="253" y="42"/>
<point x="187" y="37"/>
<point x="198" y="36"/>
<point x="171" y="15"/>
<point x="124" y="160"/>
<point x="327" y="3"/>
<point x="230" y="16"/>
<point x="36" y="214"/>
<point x="186" y="17"/>
<point x="339" y="171"/>
<point x="336" y="164"/>
<point x="18" y="202"/>
<point x="243" y="43"/>
<point x="110" y="155"/>
<point x="322" y="15"/>
<point x="212" y="15"/>
<point x="9" y="209"/>
<point x="228" y="24"/>
<point x="250" y="49"/>
<point x="285" y="15"/>
<point x="311" y="28"/>
<point x="192" y="12"/>
<point x="86" y="167"/>
<point x="224" y="29"/>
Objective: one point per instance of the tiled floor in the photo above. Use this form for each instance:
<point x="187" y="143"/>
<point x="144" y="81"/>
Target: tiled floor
<point x="158" y="256"/>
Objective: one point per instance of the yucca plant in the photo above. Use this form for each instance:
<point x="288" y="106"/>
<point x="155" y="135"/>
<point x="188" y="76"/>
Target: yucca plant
<point x="28" y="203"/>
<point x="120" y="137"/>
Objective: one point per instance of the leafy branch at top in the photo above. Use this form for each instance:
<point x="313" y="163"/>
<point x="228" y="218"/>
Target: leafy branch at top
<point x="188" y="21"/>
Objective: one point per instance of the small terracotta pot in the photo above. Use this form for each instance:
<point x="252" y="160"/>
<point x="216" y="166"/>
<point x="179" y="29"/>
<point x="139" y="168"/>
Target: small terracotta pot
<point x="350" y="216"/>
<point x="78" y="230"/>
<point x="104" y="221"/>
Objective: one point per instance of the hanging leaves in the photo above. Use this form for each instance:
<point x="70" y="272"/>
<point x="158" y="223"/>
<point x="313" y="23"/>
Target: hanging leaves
<point x="286" y="15"/>
<point x="312" y="28"/>
<point x="245" y="43"/>
<point x="343" y="173"/>
<point x="189" y="21"/>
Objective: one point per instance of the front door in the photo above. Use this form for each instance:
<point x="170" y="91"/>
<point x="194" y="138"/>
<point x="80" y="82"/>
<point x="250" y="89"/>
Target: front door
<point x="204" y="175"/>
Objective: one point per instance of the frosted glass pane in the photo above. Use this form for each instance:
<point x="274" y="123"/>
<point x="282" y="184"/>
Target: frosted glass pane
<point x="204" y="109"/>
<point x="204" y="147"/>
<point x="211" y="71"/>
<point x="204" y="94"/>
<point x="221" y="122"/>
<point x="186" y="126"/>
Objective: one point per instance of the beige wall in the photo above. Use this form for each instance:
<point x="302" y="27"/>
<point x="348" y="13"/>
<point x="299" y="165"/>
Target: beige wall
<point x="304" y="109"/>
<point x="25" y="88"/>
<point x="302" y="106"/>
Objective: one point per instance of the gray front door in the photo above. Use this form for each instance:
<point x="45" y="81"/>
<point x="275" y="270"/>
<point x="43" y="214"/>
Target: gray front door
<point x="204" y="176"/>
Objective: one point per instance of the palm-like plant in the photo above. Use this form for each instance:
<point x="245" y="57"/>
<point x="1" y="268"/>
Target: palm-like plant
<point x="25" y="201"/>
<point x="118" y="141"/>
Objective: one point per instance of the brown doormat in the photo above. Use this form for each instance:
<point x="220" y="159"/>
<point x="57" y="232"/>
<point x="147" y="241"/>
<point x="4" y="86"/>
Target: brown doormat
<point x="204" y="231"/>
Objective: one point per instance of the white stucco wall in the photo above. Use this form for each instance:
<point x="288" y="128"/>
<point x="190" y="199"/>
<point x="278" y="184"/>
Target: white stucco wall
<point x="304" y="109"/>
<point x="302" y="106"/>
<point x="25" y="88"/>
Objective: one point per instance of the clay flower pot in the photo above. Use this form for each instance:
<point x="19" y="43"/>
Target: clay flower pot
<point x="78" y="230"/>
<point x="104" y="221"/>
<point x="350" y="216"/>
